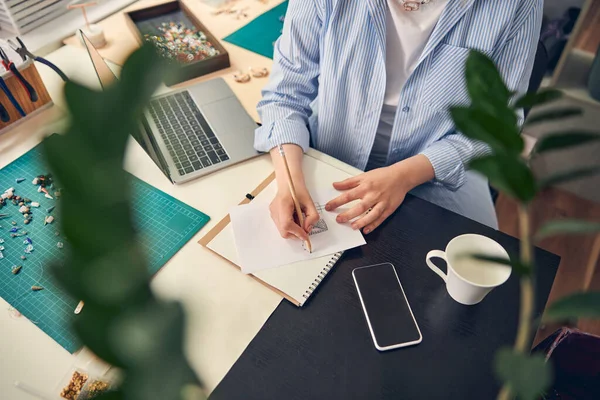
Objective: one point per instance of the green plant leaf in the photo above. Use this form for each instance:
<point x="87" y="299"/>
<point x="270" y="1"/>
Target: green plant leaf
<point x="528" y="377"/>
<point x="484" y="82"/>
<point x="561" y="141"/>
<point x="552" y="115"/>
<point x="105" y="266"/>
<point x="508" y="174"/>
<point x="516" y="265"/>
<point x="480" y="125"/>
<point x="567" y="226"/>
<point x="566" y="176"/>
<point x="530" y="100"/>
<point x="578" y="305"/>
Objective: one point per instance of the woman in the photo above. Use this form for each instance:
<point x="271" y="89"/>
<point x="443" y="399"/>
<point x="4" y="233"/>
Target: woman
<point x="369" y="82"/>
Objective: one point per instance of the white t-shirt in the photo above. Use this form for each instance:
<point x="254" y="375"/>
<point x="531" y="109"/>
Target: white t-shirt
<point x="407" y="33"/>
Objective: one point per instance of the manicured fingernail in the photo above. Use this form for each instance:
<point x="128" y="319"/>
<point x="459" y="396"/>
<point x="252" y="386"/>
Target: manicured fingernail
<point x="366" y="231"/>
<point x="341" y="220"/>
<point x="327" y="207"/>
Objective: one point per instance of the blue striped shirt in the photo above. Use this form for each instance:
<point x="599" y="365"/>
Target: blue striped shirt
<point x="328" y="81"/>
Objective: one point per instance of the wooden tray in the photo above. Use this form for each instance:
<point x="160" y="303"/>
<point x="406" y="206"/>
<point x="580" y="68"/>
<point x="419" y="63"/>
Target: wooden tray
<point x="136" y="20"/>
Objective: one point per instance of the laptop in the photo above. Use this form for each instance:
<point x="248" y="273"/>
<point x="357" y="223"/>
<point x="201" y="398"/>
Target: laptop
<point x="190" y="132"/>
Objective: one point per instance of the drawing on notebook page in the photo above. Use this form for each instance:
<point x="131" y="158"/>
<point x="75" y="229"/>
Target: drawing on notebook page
<point x="262" y="246"/>
<point x="321" y="225"/>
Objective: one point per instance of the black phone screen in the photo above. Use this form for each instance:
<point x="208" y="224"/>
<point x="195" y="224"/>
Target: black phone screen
<point x="386" y="308"/>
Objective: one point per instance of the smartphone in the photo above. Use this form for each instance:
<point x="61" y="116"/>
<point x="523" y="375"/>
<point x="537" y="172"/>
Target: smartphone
<point x="389" y="317"/>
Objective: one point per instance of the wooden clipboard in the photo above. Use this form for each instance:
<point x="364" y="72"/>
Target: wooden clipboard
<point x="222" y="224"/>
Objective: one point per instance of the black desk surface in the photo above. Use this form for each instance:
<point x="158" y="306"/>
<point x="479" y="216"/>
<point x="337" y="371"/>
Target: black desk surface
<point x="324" y="350"/>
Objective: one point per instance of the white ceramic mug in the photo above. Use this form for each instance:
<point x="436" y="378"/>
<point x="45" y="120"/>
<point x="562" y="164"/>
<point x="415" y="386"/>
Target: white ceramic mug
<point x="469" y="280"/>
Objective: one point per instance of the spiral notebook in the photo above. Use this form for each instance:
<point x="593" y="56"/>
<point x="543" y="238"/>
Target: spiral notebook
<point x="295" y="282"/>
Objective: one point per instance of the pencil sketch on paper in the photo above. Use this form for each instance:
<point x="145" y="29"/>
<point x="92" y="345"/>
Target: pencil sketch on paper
<point x="321" y="225"/>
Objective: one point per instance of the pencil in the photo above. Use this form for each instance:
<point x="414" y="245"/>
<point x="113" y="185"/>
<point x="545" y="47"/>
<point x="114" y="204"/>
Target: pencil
<point x="294" y="197"/>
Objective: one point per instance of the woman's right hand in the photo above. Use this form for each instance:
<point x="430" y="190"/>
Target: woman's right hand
<point x="283" y="213"/>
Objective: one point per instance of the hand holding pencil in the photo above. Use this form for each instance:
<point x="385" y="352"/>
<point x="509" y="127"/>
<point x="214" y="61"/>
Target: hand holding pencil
<point x="292" y="210"/>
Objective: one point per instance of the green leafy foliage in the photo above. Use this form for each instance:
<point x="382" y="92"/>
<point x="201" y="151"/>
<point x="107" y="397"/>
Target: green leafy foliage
<point x="526" y="376"/>
<point x="553" y="115"/>
<point x="530" y="100"/>
<point x="578" y="305"/>
<point x="490" y="119"/>
<point x="561" y="141"/>
<point x="122" y="322"/>
<point x="567" y="226"/>
<point x="481" y="125"/>
<point x="517" y="266"/>
<point x="484" y="80"/>
<point x="487" y="90"/>
<point x="566" y="176"/>
<point x="508" y="174"/>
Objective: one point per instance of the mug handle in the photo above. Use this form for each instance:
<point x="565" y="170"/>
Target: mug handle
<point x="434" y="268"/>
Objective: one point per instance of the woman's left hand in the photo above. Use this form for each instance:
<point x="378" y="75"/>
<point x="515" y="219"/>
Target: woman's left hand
<point x="380" y="191"/>
<point x="380" y="194"/>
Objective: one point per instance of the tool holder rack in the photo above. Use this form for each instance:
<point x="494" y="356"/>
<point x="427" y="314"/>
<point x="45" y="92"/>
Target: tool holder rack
<point x="30" y="73"/>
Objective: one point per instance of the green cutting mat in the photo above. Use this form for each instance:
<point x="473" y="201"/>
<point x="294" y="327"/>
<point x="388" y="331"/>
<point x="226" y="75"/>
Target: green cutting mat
<point x="164" y="223"/>
<point x="260" y="33"/>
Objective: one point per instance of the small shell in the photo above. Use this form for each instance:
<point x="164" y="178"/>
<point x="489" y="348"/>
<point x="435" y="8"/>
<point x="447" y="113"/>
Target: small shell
<point x="59" y="245"/>
<point x="35" y="204"/>
<point x="79" y="307"/>
<point x="27" y="221"/>
<point x="36" y="288"/>
<point x="48" y="220"/>
<point x="50" y="209"/>
<point x="19" y="180"/>
<point x="23" y="258"/>
<point x="24" y="209"/>
<point x="39" y="189"/>
<point x="35" y="181"/>
<point x="16" y="269"/>
<point x="48" y="196"/>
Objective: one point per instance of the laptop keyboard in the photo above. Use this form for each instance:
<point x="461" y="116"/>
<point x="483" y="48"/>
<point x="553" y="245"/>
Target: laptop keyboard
<point x="189" y="140"/>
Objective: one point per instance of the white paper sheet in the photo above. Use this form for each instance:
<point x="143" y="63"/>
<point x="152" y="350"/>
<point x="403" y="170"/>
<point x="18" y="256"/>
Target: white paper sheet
<point x="260" y="246"/>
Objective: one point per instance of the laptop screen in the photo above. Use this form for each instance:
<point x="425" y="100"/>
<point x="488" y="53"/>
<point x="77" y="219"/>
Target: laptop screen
<point x="107" y="77"/>
<point x="103" y="71"/>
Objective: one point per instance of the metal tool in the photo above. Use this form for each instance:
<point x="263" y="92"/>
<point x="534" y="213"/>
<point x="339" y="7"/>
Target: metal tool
<point x="10" y="66"/>
<point x="10" y="96"/>
<point x="4" y="117"/>
<point x="24" y="53"/>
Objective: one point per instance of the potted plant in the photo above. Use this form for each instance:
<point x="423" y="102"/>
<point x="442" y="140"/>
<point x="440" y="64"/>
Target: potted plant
<point x="493" y="117"/>
<point x="123" y="323"/>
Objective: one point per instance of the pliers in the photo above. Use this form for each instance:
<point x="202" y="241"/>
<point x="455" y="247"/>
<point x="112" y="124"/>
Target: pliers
<point x="24" y="53"/>
<point x="10" y="66"/>
<point x="4" y="117"/>
<point x="10" y="96"/>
